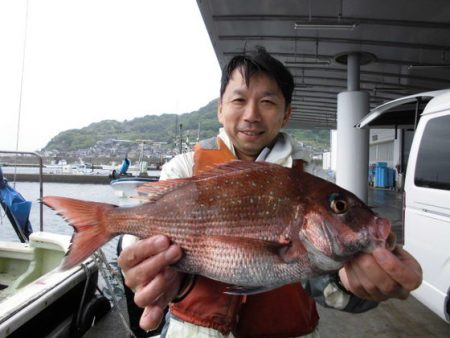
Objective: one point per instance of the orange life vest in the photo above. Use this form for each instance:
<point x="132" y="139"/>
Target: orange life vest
<point x="284" y="312"/>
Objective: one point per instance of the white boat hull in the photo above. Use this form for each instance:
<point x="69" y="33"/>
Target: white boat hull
<point x="36" y="294"/>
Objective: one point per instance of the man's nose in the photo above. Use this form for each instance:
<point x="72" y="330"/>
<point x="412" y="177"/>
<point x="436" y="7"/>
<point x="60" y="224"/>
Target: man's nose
<point x="251" y="113"/>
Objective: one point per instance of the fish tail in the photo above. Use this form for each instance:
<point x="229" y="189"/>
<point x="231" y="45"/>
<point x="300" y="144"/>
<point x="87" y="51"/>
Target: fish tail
<point x="89" y="219"/>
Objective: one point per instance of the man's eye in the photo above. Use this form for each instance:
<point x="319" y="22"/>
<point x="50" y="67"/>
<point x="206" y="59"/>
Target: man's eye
<point x="268" y="102"/>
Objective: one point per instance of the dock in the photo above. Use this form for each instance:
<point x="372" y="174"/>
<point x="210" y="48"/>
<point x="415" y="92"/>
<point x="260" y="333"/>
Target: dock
<point x="60" y="178"/>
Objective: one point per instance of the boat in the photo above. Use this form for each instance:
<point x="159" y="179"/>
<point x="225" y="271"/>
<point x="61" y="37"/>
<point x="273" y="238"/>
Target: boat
<point x="37" y="299"/>
<point x="63" y="168"/>
<point x="125" y="187"/>
<point x="126" y="179"/>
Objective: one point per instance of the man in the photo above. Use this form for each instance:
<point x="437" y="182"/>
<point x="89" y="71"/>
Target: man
<point x="255" y="103"/>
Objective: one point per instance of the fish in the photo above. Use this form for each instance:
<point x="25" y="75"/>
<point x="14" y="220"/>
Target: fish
<point x="253" y="225"/>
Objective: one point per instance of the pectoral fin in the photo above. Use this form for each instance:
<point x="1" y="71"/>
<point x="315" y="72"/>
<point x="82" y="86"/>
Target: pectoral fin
<point x="285" y="250"/>
<point x="294" y="252"/>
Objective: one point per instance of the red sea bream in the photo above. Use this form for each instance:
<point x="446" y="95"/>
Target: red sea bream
<point x="254" y="225"/>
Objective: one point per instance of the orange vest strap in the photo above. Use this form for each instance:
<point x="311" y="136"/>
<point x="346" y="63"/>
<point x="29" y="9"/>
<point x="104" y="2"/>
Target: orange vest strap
<point x="206" y="158"/>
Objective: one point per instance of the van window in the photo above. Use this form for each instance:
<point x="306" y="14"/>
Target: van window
<point x="433" y="159"/>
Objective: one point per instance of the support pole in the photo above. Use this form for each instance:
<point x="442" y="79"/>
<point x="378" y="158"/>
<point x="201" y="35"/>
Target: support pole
<point x="353" y="143"/>
<point x="353" y="72"/>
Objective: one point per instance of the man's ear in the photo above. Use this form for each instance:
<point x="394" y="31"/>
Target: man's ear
<point x="219" y="111"/>
<point x="287" y="115"/>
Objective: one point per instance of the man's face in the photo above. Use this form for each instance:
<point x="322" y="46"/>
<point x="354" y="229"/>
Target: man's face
<point x="252" y="116"/>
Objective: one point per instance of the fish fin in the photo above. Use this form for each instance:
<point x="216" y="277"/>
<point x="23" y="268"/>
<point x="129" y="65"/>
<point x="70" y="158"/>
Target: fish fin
<point x="246" y="242"/>
<point x="233" y="166"/>
<point x="153" y="191"/>
<point x="292" y="252"/>
<point x="279" y="252"/>
<point x="288" y="251"/>
<point x="90" y="224"/>
<point x="236" y="290"/>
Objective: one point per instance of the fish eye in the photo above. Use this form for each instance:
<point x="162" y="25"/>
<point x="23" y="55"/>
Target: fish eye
<point x="337" y="204"/>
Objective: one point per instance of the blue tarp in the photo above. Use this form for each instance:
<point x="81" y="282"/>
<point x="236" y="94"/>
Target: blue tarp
<point x="16" y="208"/>
<point x="124" y="167"/>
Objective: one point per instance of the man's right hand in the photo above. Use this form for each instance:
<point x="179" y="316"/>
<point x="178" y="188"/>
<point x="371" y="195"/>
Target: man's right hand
<point x="146" y="268"/>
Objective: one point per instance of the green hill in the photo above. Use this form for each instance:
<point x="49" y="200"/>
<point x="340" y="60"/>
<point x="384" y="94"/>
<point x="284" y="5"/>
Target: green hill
<point x="162" y="128"/>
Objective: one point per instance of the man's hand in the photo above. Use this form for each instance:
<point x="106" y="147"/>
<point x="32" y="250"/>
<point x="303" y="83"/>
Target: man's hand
<point x="145" y="266"/>
<point x="382" y="274"/>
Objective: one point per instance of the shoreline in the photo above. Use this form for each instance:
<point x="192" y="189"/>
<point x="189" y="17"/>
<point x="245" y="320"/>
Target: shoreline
<point x="66" y="178"/>
<point x="57" y="178"/>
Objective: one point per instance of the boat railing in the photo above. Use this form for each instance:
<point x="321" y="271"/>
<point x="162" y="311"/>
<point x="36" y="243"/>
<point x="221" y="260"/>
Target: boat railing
<point x="41" y="180"/>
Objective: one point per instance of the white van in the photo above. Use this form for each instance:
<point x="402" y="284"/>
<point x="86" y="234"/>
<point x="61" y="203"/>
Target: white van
<point x="426" y="191"/>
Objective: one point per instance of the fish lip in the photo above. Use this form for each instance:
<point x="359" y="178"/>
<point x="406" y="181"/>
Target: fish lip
<point x="340" y="251"/>
<point x="380" y="236"/>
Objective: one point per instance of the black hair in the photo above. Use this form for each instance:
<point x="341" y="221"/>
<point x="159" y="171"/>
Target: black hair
<point x="258" y="61"/>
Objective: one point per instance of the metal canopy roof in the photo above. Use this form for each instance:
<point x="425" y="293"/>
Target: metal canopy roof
<point x="404" y="46"/>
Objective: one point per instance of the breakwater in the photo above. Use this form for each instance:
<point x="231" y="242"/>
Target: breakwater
<point x="59" y="178"/>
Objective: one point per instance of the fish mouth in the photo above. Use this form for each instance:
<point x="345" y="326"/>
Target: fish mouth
<point x="381" y="235"/>
<point x="341" y="249"/>
<point x="335" y="246"/>
<point x="374" y="235"/>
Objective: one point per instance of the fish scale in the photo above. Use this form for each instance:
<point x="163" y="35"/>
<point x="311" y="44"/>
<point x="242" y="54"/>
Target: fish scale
<point x="250" y="224"/>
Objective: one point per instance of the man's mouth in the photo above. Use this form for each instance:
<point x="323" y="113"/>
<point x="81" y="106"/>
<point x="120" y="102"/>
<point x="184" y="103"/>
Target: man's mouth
<point x="252" y="132"/>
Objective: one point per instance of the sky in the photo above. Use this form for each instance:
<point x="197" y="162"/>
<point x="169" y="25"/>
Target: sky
<point x="90" y="60"/>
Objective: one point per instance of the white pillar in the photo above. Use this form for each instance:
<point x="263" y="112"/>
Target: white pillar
<point x="352" y="161"/>
<point x="353" y="143"/>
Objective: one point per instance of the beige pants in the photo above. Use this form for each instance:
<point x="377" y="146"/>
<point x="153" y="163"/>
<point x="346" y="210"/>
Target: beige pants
<point x="180" y="329"/>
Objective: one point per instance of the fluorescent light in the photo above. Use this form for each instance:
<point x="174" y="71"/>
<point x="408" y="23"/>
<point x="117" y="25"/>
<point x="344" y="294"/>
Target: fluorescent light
<point x="391" y="89"/>
<point x="324" y="25"/>
<point x="303" y="85"/>
<point x="424" y="66"/>
<point x="308" y="63"/>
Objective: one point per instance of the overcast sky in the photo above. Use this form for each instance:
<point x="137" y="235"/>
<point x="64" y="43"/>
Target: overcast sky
<point x="91" y="60"/>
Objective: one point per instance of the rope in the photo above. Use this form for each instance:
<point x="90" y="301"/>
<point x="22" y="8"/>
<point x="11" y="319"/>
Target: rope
<point x="83" y="297"/>
<point x="25" y="38"/>
<point x="100" y="259"/>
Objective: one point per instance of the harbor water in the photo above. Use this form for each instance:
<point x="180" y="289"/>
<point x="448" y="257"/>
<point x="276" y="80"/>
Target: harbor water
<point x="53" y="222"/>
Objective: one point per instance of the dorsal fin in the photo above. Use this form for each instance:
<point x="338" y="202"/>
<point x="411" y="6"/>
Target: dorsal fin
<point x="232" y="167"/>
<point x="152" y="191"/>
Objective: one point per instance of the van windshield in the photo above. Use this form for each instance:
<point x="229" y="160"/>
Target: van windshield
<point x="433" y="160"/>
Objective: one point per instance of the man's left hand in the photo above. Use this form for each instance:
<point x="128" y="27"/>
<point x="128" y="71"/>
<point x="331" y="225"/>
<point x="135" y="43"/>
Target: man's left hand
<point x="382" y="274"/>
